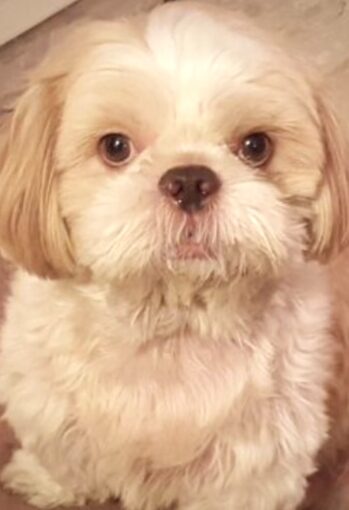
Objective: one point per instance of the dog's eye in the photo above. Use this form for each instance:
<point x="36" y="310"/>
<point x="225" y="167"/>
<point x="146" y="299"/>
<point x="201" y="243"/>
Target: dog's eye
<point x="116" y="149"/>
<point x="255" y="149"/>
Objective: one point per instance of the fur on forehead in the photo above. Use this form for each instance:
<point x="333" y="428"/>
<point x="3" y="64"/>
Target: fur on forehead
<point x="184" y="41"/>
<point x="174" y="62"/>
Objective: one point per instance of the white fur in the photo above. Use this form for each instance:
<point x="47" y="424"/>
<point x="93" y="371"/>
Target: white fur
<point x="161" y="380"/>
<point x="216" y="408"/>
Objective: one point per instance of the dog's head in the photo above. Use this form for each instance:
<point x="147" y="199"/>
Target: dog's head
<point x="181" y="141"/>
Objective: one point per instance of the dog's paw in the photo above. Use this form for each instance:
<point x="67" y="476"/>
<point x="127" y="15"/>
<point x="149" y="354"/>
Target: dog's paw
<point x="26" y="477"/>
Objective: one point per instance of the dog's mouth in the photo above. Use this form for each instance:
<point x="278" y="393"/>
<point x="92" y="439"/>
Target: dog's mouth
<point x="191" y="250"/>
<point x="190" y="245"/>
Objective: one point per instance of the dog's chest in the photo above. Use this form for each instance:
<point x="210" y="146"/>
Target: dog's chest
<point x="207" y="400"/>
<point x="167" y="402"/>
<point x="189" y="400"/>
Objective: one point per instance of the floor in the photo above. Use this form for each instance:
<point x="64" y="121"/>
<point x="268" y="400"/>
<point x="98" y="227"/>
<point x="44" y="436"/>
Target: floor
<point x="317" y="28"/>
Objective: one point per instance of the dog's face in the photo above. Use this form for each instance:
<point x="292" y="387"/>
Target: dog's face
<point x="180" y="142"/>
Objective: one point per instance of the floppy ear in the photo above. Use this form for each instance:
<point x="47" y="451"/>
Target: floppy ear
<point x="32" y="232"/>
<point x="330" y="225"/>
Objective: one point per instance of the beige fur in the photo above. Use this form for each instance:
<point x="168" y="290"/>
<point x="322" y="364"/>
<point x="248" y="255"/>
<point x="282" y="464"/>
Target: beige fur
<point x="126" y="370"/>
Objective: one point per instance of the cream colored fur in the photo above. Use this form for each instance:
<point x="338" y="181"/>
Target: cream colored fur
<point x="126" y="371"/>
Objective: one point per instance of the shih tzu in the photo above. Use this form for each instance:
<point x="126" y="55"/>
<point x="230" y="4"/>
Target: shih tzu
<point x="173" y="189"/>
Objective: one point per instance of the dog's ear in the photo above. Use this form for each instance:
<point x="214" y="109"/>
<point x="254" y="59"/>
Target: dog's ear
<point x="330" y="223"/>
<point x="32" y="232"/>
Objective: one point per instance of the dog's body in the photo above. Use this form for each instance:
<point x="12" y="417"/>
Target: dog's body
<point x="198" y="419"/>
<point x="185" y="351"/>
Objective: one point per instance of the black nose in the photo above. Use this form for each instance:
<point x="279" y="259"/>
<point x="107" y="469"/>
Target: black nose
<point x="190" y="187"/>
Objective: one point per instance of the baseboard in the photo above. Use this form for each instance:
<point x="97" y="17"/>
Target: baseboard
<point x="18" y="16"/>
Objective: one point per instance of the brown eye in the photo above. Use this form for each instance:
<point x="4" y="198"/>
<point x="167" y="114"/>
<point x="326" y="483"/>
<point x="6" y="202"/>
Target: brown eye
<point x="116" y="149"/>
<point x="255" y="149"/>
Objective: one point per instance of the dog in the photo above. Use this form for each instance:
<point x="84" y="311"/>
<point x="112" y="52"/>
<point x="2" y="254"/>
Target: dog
<point x="174" y="193"/>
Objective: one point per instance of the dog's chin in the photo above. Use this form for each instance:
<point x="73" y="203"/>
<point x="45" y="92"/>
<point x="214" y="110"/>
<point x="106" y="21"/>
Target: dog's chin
<point x="195" y="261"/>
<point x="200" y="263"/>
<point x="190" y="251"/>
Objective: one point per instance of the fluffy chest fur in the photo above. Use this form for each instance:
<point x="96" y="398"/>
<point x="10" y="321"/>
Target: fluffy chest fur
<point x="216" y="393"/>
